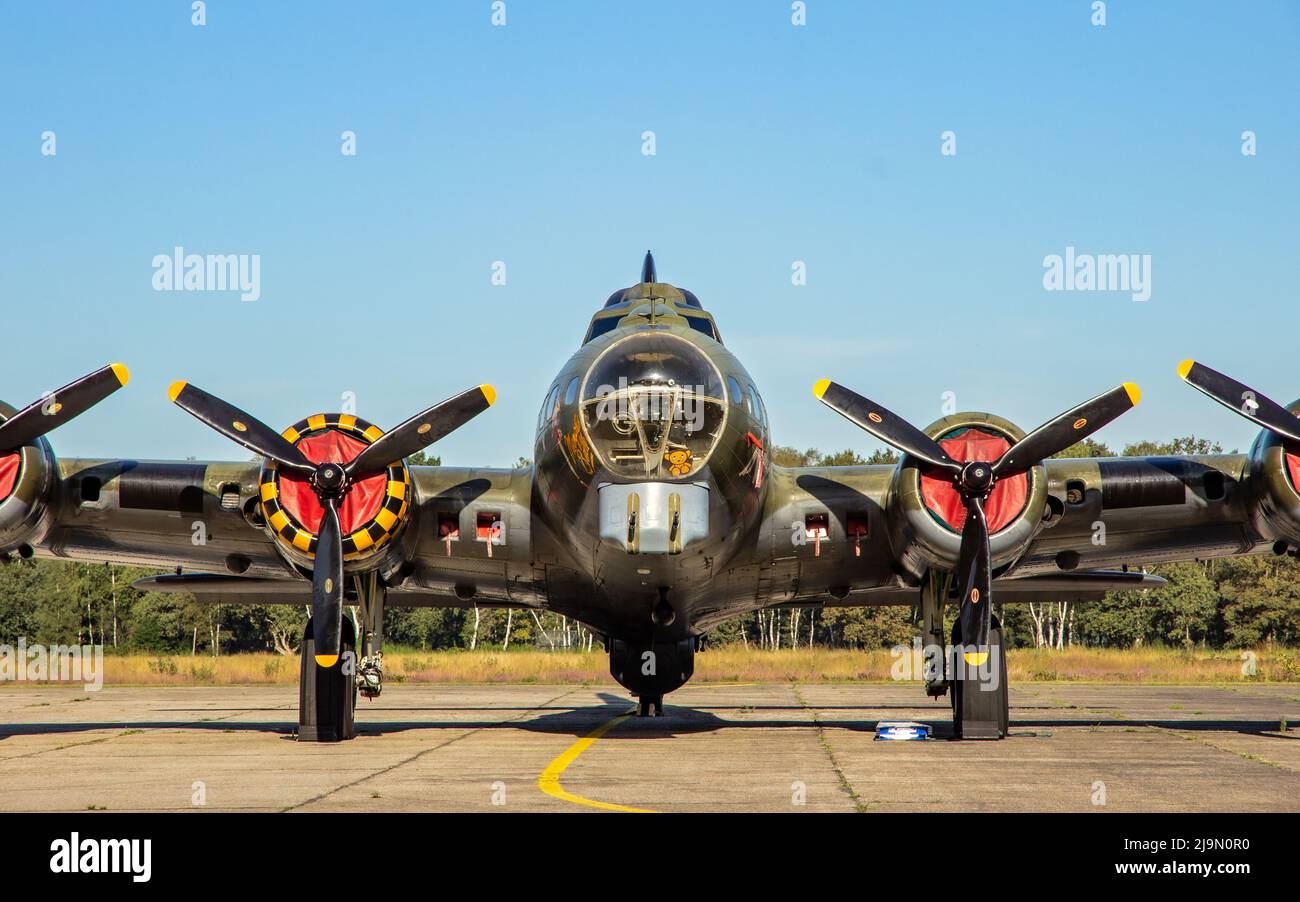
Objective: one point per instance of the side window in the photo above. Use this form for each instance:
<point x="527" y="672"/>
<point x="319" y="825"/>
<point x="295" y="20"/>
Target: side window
<point x="733" y="388"/>
<point x="547" y="406"/>
<point x="759" y="410"/>
<point x="751" y="402"/>
<point x="571" y="393"/>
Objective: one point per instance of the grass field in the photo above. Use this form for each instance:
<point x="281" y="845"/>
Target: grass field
<point x="721" y="665"/>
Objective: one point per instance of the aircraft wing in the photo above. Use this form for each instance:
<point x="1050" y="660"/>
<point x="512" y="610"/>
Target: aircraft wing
<point x="205" y="520"/>
<point x="1117" y="510"/>
<point x="861" y="535"/>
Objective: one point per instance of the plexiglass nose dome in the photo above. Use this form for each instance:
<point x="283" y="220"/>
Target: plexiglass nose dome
<point x="653" y="406"/>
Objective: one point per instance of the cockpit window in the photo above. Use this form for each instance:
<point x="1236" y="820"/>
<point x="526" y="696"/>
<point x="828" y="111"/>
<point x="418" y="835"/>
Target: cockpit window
<point x="602" y="326"/>
<point x="653" y="407"/>
<point x="701" y="324"/>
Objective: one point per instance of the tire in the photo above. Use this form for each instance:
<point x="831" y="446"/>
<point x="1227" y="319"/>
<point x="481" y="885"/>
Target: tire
<point x="976" y="713"/>
<point x="326" y="696"/>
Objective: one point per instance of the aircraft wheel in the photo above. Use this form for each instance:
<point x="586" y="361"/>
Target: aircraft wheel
<point x="326" y="695"/>
<point x="650" y="706"/>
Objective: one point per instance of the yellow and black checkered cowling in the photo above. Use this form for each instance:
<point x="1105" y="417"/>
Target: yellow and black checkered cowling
<point x="366" y="539"/>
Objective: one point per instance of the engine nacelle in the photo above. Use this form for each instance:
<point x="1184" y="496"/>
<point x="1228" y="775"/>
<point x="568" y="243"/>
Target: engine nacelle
<point x="1274" y="475"/>
<point x="27" y="478"/>
<point x="373" y="514"/>
<point x="926" y="513"/>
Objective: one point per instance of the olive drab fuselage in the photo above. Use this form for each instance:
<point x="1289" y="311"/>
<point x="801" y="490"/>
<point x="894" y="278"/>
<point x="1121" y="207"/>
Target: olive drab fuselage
<point x="651" y="419"/>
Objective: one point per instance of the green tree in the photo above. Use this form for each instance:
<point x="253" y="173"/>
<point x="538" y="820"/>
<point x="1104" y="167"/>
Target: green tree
<point x="1183" y="444"/>
<point x="1087" y="448"/>
<point x="1261" y="600"/>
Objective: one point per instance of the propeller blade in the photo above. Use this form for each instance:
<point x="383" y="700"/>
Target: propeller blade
<point x="1252" y="405"/>
<point x="234" y="424"/>
<point x="52" y="411"/>
<point x="966" y="556"/>
<point x="888" y="427"/>
<point x="327" y="587"/>
<point x="976" y="611"/>
<point x="421" y="431"/>
<point x="1063" y="431"/>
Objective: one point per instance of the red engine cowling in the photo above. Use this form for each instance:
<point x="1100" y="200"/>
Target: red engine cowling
<point x="373" y="514"/>
<point x="926" y="514"/>
<point x="1274" y="477"/>
<point x="27" y="478"/>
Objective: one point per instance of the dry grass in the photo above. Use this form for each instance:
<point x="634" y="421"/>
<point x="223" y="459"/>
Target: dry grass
<point x="721" y="665"/>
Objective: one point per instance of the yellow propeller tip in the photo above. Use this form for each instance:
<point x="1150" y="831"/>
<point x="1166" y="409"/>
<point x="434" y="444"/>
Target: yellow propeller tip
<point x="1185" y="367"/>
<point x="326" y="660"/>
<point x="1134" y="393"/>
<point x="121" y="372"/>
<point x="975" y="658"/>
<point x="174" y="390"/>
<point x="488" y="392"/>
<point x="820" y="386"/>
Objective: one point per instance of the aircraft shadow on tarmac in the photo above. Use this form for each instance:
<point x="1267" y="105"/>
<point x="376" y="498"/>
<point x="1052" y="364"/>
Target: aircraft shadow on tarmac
<point x="579" y="721"/>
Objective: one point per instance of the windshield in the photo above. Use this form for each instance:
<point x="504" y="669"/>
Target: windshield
<point x="653" y="407"/>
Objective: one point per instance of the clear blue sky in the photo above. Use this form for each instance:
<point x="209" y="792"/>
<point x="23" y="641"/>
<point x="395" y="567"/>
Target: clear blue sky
<point x="523" y="144"/>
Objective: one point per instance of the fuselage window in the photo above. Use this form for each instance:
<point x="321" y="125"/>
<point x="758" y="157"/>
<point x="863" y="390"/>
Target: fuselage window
<point x="757" y="403"/>
<point x="751" y="403"/>
<point x="547" y="405"/>
<point x="571" y="393"/>
<point x="733" y="389"/>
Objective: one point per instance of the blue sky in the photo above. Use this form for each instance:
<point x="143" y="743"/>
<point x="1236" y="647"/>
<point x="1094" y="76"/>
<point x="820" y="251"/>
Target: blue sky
<point x="523" y="144"/>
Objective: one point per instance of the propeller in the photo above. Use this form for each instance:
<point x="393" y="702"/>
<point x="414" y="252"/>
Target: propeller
<point x="974" y="480"/>
<point x="331" y="480"/>
<point x="1254" y="406"/>
<point x="53" y="410"/>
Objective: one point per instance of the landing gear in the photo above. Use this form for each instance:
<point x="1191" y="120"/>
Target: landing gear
<point x="371" y="594"/>
<point x="980" y="704"/>
<point x="327" y="696"/>
<point x="650" y="706"/>
<point x="934" y="592"/>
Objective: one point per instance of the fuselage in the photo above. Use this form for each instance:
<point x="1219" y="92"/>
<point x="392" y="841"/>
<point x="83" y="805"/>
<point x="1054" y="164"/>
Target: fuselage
<point x="651" y="458"/>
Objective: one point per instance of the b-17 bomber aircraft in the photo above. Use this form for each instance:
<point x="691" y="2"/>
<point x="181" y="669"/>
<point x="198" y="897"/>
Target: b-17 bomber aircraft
<point x="652" y="512"/>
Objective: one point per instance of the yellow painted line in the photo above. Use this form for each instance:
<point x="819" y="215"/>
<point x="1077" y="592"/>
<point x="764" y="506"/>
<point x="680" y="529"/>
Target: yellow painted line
<point x="549" y="781"/>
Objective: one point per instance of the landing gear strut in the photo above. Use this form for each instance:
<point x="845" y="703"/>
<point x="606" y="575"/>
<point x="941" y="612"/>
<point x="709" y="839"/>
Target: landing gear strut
<point x="650" y="706"/>
<point x="371" y="593"/>
<point x="327" y="696"/>
<point x="934" y="592"/>
<point x="980" y="704"/>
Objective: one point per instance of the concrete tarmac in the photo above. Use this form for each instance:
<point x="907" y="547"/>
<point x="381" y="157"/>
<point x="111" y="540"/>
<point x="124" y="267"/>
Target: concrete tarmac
<point x="721" y="747"/>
